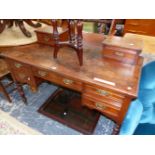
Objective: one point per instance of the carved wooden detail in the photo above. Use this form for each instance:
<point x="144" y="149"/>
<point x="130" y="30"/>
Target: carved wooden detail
<point x="20" y="23"/>
<point x="75" y="40"/>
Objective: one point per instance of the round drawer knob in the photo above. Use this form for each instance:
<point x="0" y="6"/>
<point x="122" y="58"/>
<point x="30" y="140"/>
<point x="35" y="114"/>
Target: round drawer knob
<point x="28" y="78"/>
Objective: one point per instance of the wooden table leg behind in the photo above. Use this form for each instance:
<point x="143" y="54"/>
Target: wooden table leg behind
<point x="29" y="22"/>
<point x="2" y="25"/>
<point x="21" y="91"/>
<point x="5" y="92"/>
<point x="80" y="41"/>
<point x="56" y="38"/>
<point x="18" y="22"/>
<point x="116" y="130"/>
<point x="23" y="29"/>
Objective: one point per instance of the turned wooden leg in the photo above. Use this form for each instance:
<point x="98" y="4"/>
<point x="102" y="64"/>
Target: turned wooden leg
<point x="5" y="92"/>
<point x="112" y="30"/>
<point x="29" y="22"/>
<point x="10" y="23"/>
<point x="79" y="41"/>
<point x="99" y="27"/>
<point x="2" y="25"/>
<point x="21" y="92"/>
<point x="116" y="130"/>
<point x="23" y="29"/>
<point x="72" y="36"/>
<point x="56" y="38"/>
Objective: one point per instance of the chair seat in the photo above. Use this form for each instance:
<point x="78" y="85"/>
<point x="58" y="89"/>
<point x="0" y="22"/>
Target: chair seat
<point x="132" y="119"/>
<point x="136" y="115"/>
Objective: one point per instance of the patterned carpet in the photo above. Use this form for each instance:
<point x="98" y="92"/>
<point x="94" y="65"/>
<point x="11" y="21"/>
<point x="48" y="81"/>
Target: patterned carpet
<point x="28" y="115"/>
<point x="10" y="126"/>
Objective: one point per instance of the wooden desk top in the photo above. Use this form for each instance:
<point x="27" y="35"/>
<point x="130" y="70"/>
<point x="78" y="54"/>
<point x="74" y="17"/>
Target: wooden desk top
<point x="129" y="43"/>
<point x="123" y="76"/>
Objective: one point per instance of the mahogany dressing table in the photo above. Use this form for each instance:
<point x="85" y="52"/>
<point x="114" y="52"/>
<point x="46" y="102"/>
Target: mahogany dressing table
<point x="105" y="85"/>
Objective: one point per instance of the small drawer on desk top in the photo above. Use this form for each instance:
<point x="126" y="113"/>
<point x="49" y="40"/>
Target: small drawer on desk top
<point x="101" y="106"/>
<point x="45" y="38"/>
<point x="122" y="49"/>
<point x="120" y="55"/>
<point x="58" y="79"/>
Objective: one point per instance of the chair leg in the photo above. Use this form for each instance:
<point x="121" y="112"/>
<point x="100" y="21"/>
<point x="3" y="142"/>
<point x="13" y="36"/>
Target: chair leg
<point x="5" y="92"/>
<point x="21" y="92"/>
<point x="116" y="130"/>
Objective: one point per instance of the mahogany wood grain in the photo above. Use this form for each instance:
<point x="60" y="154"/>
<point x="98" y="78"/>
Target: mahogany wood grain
<point x="39" y="57"/>
<point x="140" y="26"/>
<point x="122" y="49"/>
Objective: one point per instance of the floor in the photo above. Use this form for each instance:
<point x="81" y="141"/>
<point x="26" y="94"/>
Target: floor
<point x="29" y="115"/>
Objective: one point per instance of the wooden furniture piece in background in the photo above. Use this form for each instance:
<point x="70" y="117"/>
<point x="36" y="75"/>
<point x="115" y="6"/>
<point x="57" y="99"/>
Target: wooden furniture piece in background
<point x="105" y="85"/>
<point x="4" y="72"/>
<point x="101" y="22"/>
<point x="140" y="26"/>
<point x="18" y="22"/>
<point x="122" y="49"/>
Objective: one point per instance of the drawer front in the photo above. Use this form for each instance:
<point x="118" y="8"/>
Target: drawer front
<point x="132" y="21"/>
<point x="140" y="21"/>
<point x="102" y="107"/>
<point x="119" y="55"/>
<point x="142" y="29"/>
<point x="58" y="79"/>
<point x="103" y="92"/>
<point x="45" y="38"/>
<point x="104" y="95"/>
<point x="22" y="72"/>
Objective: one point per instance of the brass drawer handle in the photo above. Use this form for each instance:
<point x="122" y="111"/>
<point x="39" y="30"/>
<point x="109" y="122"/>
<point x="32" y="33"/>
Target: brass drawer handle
<point x="103" y="92"/>
<point x="42" y="73"/>
<point x="99" y="106"/>
<point x="18" y="65"/>
<point x="67" y="81"/>
<point x="120" y="54"/>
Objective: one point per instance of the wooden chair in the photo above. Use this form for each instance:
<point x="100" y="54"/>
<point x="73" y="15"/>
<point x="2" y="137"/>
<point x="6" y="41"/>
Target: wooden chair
<point x="4" y="72"/>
